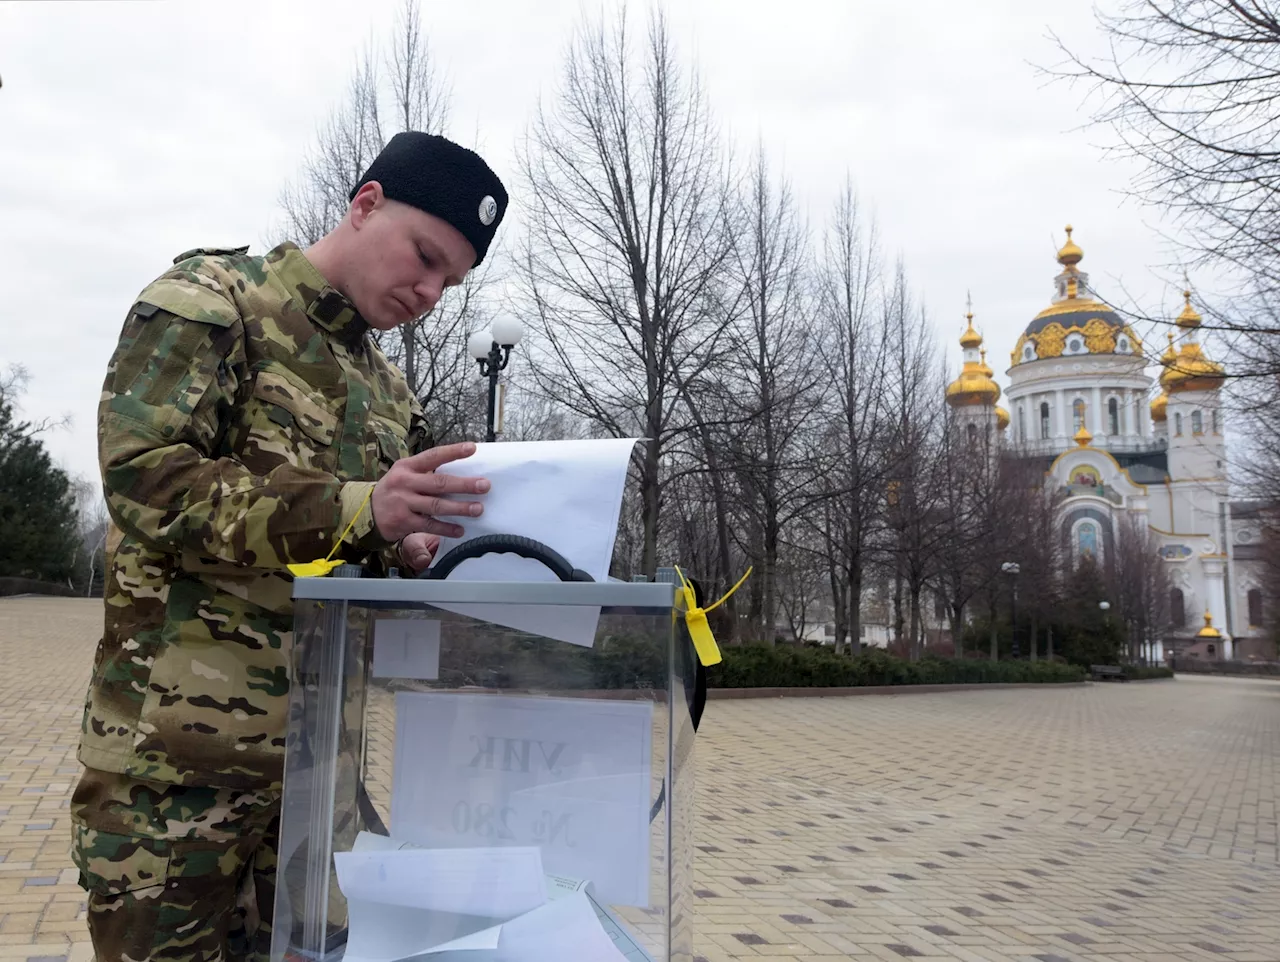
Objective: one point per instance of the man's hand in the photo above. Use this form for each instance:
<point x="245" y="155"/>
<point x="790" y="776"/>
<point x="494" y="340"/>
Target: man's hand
<point x="410" y="499"/>
<point x="418" y="549"/>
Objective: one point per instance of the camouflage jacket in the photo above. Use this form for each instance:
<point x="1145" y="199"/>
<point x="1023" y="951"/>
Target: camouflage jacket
<point x="245" y="415"/>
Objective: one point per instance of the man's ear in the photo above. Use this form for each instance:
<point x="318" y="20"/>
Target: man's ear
<point x="367" y="199"/>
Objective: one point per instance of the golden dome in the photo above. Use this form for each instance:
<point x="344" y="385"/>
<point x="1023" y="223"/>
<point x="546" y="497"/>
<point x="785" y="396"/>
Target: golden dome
<point x="1188" y="319"/>
<point x="983" y="366"/>
<point x="1002" y="418"/>
<point x="1188" y="369"/>
<point x="1071" y="254"/>
<point x="1082" y="437"/>
<point x="974" y="386"/>
<point x="1160" y="407"/>
<point x="1075" y="311"/>
<point x="1192" y="371"/>
<point x="1208" y="631"/>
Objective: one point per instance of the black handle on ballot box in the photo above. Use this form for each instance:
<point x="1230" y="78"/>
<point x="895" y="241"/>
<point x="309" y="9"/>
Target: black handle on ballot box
<point x="505" y="544"/>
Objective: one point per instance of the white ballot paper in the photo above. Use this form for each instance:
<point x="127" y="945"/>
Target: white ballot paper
<point x="382" y="932"/>
<point x="406" y="648"/>
<point x="566" y="494"/>
<point x="570" y="775"/>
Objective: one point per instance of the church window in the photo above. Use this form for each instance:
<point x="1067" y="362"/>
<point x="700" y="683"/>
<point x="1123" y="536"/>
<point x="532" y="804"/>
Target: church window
<point x="1077" y="414"/>
<point x="1255" y="608"/>
<point x="1177" y="425"/>
<point x="1213" y="414"/>
<point x="1044" y="420"/>
<point x="1122" y="345"/>
<point x="1022" y="423"/>
<point x="1177" y="608"/>
<point x="1075" y="345"/>
<point x="1028" y="353"/>
<point x="973" y="434"/>
<point x="1113" y="417"/>
<point x="1197" y="422"/>
<point x="1087" y="540"/>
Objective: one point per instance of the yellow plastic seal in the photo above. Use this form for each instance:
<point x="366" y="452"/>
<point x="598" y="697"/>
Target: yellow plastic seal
<point x="695" y="619"/>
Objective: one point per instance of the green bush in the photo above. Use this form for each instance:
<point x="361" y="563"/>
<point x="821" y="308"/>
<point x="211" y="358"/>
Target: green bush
<point x="787" y="666"/>
<point x="1139" y="672"/>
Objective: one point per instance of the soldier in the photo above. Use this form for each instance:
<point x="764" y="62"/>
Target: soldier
<point x="247" y="421"/>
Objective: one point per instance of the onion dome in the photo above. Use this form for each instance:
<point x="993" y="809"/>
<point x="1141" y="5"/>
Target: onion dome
<point x="1082" y="437"/>
<point x="1160" y="407"/>
<point x="1189" y="319"/>
<point x="974" y="386"/>
<point x="1076" y="322"/>
<point x="1208" y="632"/>
<point x="1002" y="418"/>
<point x="1188" y="369"/>
<point x="1070" y="254"/>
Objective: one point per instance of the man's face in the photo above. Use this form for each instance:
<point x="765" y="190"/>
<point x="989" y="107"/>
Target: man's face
<point x="401" y="259"/>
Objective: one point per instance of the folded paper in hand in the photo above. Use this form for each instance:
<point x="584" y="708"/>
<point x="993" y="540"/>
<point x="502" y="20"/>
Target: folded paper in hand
<point x="566" y="494"/>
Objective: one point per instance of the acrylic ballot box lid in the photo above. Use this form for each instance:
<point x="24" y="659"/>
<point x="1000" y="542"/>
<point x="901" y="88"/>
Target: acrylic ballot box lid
<point x="486" y="771"/>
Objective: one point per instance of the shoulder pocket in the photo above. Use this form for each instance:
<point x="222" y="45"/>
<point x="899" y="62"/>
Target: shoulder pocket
<point x="189" y="300"/>
<point x="112" y="864"/>
<point x="311" y="418"/>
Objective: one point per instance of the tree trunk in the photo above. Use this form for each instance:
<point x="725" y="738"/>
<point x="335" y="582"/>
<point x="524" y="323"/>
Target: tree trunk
<point x="995" y="643"/>
<point x="651" y="504"/>
<point x="957" y="628"/>
<point x="1035" y="631"/>
<point x="853" y="604"/>
<point x="1048" y="652"/>
<point x="917" y="625"/>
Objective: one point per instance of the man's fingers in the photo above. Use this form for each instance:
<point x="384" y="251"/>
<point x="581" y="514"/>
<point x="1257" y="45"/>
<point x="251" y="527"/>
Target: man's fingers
<point x="440" y="507"/>
<point x="433" y="458"/>
<point x="442" y="528"/>
<point x="429" y="484"/>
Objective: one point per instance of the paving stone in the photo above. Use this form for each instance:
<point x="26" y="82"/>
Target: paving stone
<point x="1146" y="816"/>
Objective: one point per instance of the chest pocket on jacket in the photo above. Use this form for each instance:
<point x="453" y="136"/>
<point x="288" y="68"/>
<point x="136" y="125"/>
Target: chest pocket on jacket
<point x="390" y="440"/>
<point x="288" y="426"/>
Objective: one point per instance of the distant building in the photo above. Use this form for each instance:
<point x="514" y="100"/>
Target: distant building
<point x="1080" y="401"/>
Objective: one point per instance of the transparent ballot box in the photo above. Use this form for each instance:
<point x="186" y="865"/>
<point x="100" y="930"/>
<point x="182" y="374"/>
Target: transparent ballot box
<point x="486" y="771"/>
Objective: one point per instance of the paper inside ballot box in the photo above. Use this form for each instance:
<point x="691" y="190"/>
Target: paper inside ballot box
<point x="403" y="903"/>
<point x="571" y="776"/>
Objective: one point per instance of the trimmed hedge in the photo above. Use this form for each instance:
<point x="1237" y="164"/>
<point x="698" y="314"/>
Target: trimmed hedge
<point x="786" y="666"/>
<point x="1141" y="672"/>
<point x="29" y="586"/>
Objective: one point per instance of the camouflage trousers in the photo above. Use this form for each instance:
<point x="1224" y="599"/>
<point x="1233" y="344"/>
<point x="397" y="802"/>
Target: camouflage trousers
<point x="174" y="873"/>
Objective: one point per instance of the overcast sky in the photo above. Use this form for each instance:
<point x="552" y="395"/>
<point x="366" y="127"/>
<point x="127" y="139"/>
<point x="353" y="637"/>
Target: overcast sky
<point x="132" y="131"/>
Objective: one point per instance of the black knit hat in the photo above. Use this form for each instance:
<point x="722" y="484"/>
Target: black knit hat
<point x="450" y="182"/>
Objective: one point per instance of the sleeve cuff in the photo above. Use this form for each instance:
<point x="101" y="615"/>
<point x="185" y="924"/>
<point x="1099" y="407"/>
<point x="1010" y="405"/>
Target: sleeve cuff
<point x="364" y="533"/>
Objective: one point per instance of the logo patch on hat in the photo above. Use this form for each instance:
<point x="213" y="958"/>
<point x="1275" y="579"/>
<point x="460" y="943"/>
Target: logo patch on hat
<point x="488" y="210"/>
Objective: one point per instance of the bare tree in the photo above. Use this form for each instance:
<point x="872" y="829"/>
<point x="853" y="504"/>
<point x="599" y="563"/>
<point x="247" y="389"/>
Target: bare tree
<point x="397" y="88"/>
<point x="1192" y="88"/>
<point x="625" y="242"/>
<point x="1140" y="581"/>
<point x="915" y="391"/>
<point x="852" y="476"/>
<point x="769" y="359"/>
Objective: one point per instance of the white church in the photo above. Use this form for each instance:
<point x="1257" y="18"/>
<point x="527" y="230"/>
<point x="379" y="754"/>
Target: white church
<point x="1081" y="401"/>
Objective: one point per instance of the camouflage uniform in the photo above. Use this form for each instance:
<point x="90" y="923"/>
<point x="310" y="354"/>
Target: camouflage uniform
<point x="245" y="415"/>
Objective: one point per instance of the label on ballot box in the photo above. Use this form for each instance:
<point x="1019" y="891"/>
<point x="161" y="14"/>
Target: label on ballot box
<point x="568" y="775"/>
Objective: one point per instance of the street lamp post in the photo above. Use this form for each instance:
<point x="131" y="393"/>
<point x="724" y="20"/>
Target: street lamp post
<point x="1011" y="568"/>
<point x="492" y="349"/>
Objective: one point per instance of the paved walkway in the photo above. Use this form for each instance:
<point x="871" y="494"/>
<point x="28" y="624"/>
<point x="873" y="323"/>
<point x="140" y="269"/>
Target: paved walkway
<point x="1134" y="823"/>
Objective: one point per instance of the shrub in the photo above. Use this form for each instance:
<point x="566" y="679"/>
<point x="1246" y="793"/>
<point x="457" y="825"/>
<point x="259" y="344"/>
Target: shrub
<point x="1139" y="672"/>
<point x="800" y="667"/>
